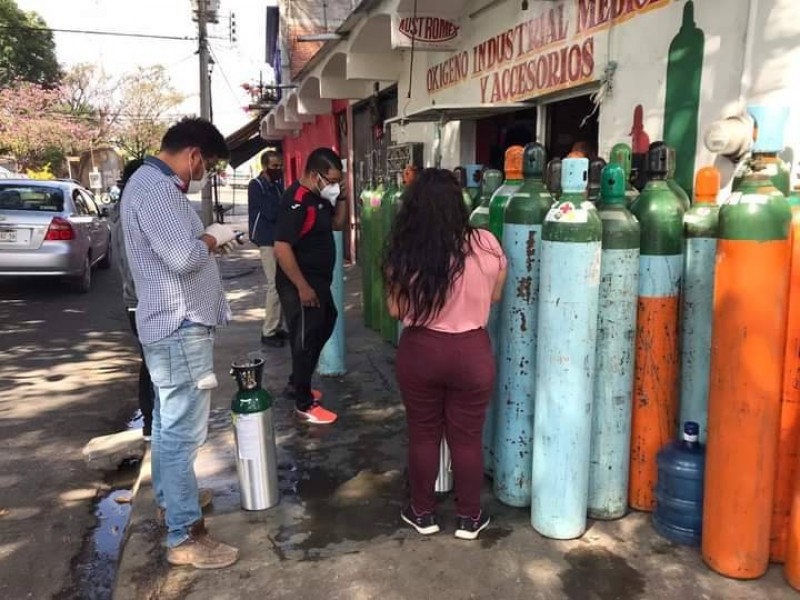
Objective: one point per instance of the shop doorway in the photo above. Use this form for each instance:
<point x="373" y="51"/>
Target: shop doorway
<point x="342" y="138"/>
<point x="570" y="122"/>
<point x="370" y="143"/>
<point x="496" y="134"/>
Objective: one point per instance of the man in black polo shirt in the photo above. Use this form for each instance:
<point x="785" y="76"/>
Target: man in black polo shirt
<point x="310" y="209"/>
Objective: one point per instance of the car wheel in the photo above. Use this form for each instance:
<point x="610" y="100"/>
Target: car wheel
<point x="105" y="262"/>
<point x="83" y="283"/>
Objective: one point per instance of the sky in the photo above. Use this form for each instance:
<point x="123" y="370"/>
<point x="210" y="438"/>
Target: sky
<point x="235" y="64"/>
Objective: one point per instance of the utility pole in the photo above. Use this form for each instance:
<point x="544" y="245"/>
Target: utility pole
<point x="205" y="12"/>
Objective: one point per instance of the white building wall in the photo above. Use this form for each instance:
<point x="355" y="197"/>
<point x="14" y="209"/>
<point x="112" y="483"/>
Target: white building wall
<point x="640" y="48"/>
<point x="776" y="63"/>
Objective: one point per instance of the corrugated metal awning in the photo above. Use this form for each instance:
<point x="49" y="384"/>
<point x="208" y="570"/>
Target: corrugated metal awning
<point x="245" y="142"/>
<point x="458" y="112"/>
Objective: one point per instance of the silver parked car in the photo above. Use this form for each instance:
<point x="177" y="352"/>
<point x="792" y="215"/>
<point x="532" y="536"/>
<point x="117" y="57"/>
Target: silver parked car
<point x="52" y="229"/>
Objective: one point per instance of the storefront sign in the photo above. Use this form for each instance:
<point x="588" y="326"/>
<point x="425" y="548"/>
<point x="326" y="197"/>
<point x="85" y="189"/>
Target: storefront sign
<point x="553" y="50"/>
<point x="597" y="14"/>
<point x="427" y="33"/>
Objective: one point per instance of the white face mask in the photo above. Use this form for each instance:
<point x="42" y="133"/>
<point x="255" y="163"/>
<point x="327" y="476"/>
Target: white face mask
<point x="330" y="192"/>
<point x="196" y="185"/>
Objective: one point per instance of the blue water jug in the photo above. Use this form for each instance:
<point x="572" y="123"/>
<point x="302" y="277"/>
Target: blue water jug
<point x="679" y="492"/>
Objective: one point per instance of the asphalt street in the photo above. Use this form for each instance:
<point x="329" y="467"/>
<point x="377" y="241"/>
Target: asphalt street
<point x="67" y="374"/>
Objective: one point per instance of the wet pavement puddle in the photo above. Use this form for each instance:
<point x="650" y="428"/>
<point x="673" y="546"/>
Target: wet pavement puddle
<point x="598" y="574"/>
<point x="94" y="569"/>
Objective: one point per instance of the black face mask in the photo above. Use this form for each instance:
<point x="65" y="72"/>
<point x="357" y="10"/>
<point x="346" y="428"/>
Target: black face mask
<point x="275" y="174"/>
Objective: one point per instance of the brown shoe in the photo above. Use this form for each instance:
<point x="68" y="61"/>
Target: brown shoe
<point x="205" y="495"/>
<point x="201" y="551"/>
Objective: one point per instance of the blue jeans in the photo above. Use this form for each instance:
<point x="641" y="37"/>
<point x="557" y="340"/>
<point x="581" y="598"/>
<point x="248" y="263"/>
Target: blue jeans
<point x="182" y="368"/>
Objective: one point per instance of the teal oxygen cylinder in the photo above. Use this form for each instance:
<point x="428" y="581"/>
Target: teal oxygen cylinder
<point x="568" y="307"/>
<point x="516" y="360"/>
<point x="491" y="181"/>
<point x="616" y="335"/>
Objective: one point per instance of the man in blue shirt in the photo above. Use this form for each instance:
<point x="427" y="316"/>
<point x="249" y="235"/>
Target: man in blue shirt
<point x="263" y="198"/>
<point x="181" y="301"/>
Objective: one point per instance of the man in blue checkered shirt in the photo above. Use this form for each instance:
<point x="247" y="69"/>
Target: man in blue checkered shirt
<point x="181" y="301"/>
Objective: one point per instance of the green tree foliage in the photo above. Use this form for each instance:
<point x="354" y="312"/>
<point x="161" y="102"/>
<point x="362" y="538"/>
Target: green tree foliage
<point x="26" y="53"/>
<point x="146" y="101"/>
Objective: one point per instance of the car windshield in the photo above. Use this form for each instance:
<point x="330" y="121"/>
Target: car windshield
<point x="31" y="197"/>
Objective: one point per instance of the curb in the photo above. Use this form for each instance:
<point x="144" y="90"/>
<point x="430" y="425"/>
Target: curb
<point x="141" y="541"/>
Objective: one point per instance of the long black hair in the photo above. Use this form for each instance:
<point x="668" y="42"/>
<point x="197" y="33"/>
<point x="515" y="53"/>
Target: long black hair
<point x="128" y="170"/>
<point x="428" y="245"/>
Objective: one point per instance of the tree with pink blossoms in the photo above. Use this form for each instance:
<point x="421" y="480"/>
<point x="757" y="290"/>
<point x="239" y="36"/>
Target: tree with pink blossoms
<point x="36" y="127"/>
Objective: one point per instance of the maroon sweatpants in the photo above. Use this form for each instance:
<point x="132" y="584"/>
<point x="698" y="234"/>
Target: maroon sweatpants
<point x="446" y="380"/>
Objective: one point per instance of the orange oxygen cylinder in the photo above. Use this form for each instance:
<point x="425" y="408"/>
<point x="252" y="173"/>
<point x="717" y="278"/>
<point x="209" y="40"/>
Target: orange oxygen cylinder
<point x="783" y="530"/>
<point x="751" y="288"/>
<point x="791" y="569"/>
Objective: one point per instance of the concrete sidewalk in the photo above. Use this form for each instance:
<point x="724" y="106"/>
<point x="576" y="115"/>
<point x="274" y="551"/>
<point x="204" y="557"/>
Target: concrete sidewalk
<point x="337" y="532"/>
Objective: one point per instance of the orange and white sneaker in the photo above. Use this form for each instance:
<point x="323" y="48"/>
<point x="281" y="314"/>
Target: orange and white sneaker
<point x="316" y="415"/>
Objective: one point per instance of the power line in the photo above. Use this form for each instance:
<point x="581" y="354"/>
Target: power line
<point x="97" y="32"/>
<point x="184" y="59"/>
<point x="224" y="76"/>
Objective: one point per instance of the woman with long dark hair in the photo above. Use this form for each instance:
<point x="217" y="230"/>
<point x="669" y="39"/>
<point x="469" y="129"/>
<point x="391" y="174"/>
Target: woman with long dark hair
<point x="442" y="276"/>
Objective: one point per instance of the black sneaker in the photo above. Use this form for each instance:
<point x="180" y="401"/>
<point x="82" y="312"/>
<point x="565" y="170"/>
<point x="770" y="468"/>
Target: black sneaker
<point x="281" y="334"/>
<point x="273" y="341"/>
<point x="424" y="524"/>
<point x="469" y="528"/>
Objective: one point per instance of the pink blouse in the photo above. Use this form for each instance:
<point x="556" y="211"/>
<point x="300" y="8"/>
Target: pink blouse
<point x="467" y="307"/>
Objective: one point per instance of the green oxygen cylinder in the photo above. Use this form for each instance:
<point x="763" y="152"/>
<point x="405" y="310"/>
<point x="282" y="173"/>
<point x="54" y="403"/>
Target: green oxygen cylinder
<point x="474" y="176"/>
<point x="395" y="327"/>
<point x="254" y="437"/>
<point x="388" y="325"/>
<point x="365" y="201"/>
<point x="497" y="206"/>
<point x="671" y="183"/>
<point x="657" y="368"/>
<point x="490" y="181"/>
<point x="682" y="103"/>
<point x="794" y="193"/>
<point x="377" y="299"/>
<point x="552" y="178"/>
<point x="769" y="124"/>
<point x="461" y="176"/>
<point x="409" y="175"/>
<point x="596" y="166"/>
<point x="622" y="155"/>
